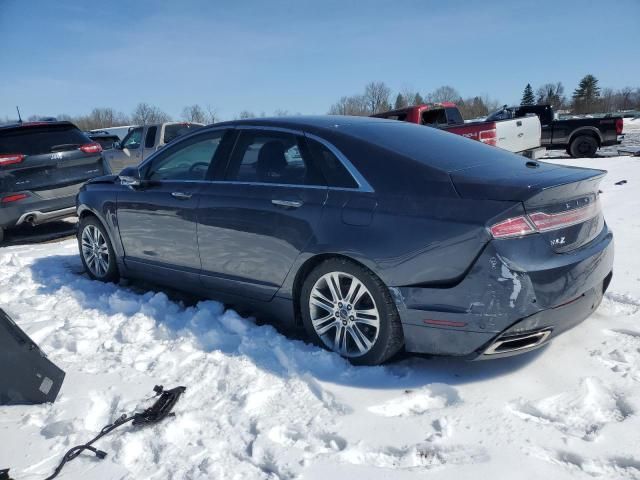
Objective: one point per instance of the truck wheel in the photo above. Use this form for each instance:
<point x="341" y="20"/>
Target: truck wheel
<point x="583" y="146"/>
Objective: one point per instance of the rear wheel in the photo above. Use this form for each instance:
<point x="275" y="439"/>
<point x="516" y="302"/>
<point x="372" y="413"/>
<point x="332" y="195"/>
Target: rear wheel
<point x="583" y="146"/>
<point x="346" y="308"/>
<point x="96" y="251"/>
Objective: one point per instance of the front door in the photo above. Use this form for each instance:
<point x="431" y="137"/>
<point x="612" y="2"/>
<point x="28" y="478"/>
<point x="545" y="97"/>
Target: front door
<point x="157" y="221"/>
<point x="253" y="224"/>
<point x="130" y="153"/>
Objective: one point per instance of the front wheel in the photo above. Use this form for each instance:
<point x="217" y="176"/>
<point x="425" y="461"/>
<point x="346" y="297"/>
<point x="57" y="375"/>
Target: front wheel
<point x="96" y="251"/>
<point x="347" y="309"/>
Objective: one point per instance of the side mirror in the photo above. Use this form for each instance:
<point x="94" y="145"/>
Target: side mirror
<point x="116" y="146"/>
<point x="130" y="176"/>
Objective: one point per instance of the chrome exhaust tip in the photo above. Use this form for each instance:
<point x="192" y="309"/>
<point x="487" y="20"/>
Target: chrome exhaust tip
<point x="518" y="342"/>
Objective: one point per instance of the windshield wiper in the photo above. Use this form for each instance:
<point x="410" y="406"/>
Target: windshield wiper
<point x="65" y="146"/>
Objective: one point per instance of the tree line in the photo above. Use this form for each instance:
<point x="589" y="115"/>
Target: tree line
<point x="587" y="97"/>
<point x="377" y="97"/>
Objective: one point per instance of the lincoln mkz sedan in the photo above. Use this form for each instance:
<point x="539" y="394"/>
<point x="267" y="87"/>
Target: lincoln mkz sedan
<point x="375" y="235"/>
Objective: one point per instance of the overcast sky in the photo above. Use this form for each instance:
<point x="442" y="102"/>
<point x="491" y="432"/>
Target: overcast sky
<point x="70" y="56"/>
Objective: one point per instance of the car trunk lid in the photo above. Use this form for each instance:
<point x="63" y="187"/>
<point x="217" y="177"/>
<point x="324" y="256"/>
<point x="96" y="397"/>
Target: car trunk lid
<point x="561" y="203"/>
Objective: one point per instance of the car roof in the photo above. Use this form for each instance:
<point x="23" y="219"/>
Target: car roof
<point x="19" y="125"/>
<point x="323" y="122"/>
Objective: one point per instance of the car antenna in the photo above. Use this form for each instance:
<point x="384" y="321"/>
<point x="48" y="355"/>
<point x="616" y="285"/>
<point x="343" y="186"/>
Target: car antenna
<point x="19" y="117"/>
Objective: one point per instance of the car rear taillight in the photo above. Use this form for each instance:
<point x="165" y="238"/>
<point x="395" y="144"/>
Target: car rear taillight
<point x="93" y="147"/>
<point x="512" y="227"/>
<point x="543" y="222"/>
<point x="546" y="221"/>
<point x="489" y="137"/>
<point x="14" y="198"/>
<point x="619" y="126"/>
<point x="11" y="158"/>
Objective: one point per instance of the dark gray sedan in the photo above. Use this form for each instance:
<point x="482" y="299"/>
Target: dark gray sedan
<point x="375" y="235"/>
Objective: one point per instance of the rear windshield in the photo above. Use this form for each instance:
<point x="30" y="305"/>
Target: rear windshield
<point x="36" y="140"/>
<point x="173" y="131"/>
<point x="430" y="146"/>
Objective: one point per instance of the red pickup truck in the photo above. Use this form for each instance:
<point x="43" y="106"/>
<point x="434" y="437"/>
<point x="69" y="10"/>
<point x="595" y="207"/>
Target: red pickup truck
<point x="522" y="136"/>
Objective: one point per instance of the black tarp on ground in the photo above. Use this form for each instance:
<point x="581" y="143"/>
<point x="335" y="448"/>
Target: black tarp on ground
<point x="27" y="376"/>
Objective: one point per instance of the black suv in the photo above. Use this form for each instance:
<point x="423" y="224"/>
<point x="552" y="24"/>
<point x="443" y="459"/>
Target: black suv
<point x="42" y="166"/>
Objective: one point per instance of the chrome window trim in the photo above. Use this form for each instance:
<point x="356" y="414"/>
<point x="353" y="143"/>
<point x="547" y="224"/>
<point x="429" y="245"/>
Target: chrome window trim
<point x="363" y="185"/>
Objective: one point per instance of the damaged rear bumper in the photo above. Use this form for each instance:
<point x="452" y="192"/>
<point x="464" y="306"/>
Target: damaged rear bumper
<point x="514" y="299"/>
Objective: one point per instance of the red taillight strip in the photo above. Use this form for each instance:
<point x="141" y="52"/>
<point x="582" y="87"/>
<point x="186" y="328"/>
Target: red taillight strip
<point x="93" y="147"/>
<point x="545" y="222"/>
<point x="512" y="227"/>
<point x="11" y="158"/>
<point x="14" y="198"/>
<point x="444" y="323"/>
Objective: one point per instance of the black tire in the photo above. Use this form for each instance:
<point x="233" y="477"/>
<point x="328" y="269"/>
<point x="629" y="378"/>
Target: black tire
<point x="1" y="235"/>
<point x="583" y="146"/>
<point x="111" y="273"/>
<point x="390" y="338"/>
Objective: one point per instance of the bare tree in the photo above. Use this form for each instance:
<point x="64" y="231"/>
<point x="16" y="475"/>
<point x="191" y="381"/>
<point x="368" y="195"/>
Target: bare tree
<point x="194" y="113"/>
<point x="376" y="97"/>
<point x="211" y="114"/>
<point x="145" y="114"/>
<point x="446" y="93"/>
<point x="281" y="113"/>
<point x="354" y="105"/>
<point x="551" y="94"/>
<point x="247" y="114"/>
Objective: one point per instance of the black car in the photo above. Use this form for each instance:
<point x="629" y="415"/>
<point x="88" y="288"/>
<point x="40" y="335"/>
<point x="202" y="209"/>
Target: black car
<point x="373" y="234"/>
<point x="42" y="165"/>
<point x="580" y="137"/>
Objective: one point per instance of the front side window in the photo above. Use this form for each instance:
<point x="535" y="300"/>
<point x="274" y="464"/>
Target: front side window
<point x="133" y="139"/>
<point x="272" y="157"/>
<point x="187" y="161"/>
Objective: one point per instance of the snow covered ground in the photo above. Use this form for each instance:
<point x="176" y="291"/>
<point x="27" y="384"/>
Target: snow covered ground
<point x="262" y="406"/>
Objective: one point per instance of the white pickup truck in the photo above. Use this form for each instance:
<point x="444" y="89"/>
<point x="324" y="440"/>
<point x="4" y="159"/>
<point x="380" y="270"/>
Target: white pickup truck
<point x="142" y="141"/>
<point x="521" y="135"/>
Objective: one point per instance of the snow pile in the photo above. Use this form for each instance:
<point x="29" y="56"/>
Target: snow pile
<point x="260" y="405"/>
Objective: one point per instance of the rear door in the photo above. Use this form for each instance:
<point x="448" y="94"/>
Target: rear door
<point x="254" y="222"/>
<point x="157" y="221"/>
<point x="52" y="160"/>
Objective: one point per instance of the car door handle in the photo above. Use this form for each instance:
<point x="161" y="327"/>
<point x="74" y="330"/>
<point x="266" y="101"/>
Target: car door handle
<point x="181" y="195"/>
<point x="287" y="203"/>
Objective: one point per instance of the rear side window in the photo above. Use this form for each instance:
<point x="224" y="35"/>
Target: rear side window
<point x="454" y="116"/>
<point x="332" y="168"/>
<point x="272" y="157"/>
<point x="176" y="130"/>
<point x="36" y="140"/>
<point x="150" y="139"/>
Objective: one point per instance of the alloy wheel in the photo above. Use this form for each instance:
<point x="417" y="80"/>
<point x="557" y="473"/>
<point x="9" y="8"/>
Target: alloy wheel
<point x="95" y="251"/>
<point x="344" y="314"/>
